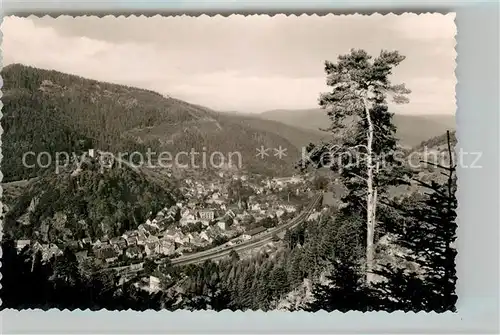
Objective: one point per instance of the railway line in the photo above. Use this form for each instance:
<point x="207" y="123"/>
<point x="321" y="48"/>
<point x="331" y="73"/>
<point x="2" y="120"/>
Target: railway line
<point x="224" y="250"/>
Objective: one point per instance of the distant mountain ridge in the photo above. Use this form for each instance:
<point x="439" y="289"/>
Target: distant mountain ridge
<point x="411" y="129"/>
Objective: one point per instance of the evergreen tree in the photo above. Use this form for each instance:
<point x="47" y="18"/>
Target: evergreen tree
<point x="279" y="281"/>
<point x="362" y="128"/>
<point x="344" y="292"/>
<point x="66" y="268"/>
<point x="264" y="292"/>
<point x="426" y="231"/>
<point x="233" y="255"/>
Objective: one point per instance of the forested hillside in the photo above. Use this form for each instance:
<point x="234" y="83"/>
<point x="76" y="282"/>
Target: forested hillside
<point x="84" y="203"/>
<point x="50" y="111"/>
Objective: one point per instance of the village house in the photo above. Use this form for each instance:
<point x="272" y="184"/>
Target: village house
<point x="279" y="212"/>
<point x="166" y="247"/>
<point x="152" y="284"/>
<point x="169" y="234"/>
<point x="189" y="216"/>
<point x="264" y="206"/>
<point x="36" y="246"/>
<point x="136" y="266"/>
<point x="313" y="216"/>
<point x="169" y="218"/>
<point x="120" y="245"/>
<point x="151" y="248"/>
<point x="97" y="244"/>
<point x="205" y="236"/>
<point x="214" y="231"/>
<point x="141" y="239"/>
<point x="160" y="214"/>
<point x="182" y="239"/>
<point x="142" y="228"/>
<point x="107" y="253"/>
<point x="152" y="238"/>
<point x="131" y="241"/>
<point x="197" y="241"/>
<point x="50" y="251"/>
<point x="286" y="181"/>
<point x="173" y="210"/>
<point x="206" y="214"/>
<point x="255" y="207"/>
<point x="20" y="244"/>
<point x="222" y="225"/>
<point x="133" y="252"/>
<point x="81" y="255"/>
<point x="133" y="233"/>
<point x="114" y="241"/>
<point x="230" y="213"/>
<point x="288" y="208"/>
<point x="152" y="229"/>
<point x="85" y="242"/>
<point x="220" y="202"/>
<point x="253" y="232"/>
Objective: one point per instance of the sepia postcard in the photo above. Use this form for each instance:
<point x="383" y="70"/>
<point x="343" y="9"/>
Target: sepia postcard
<point x="292" y="163"/>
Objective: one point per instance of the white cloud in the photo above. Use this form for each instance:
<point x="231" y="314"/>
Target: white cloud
<point x="244" y="69"/>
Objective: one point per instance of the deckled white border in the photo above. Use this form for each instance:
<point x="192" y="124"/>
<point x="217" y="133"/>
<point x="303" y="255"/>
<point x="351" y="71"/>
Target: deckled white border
<point x="477" y="265"/>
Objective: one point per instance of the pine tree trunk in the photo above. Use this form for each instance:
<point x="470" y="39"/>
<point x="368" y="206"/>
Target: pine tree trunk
<point x="370" y="200"/>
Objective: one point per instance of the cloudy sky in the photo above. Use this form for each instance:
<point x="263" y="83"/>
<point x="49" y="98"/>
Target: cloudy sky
<point x="248" y="64"/>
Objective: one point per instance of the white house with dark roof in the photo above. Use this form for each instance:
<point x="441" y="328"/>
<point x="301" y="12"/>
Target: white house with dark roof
<point x="166" y="247"/>
<point x="141" y="240"/>
<point x="151" y="248"/>
<point x="133" y="252"/>
<point x="20" y="244"/>
<point x="131" y="241"/>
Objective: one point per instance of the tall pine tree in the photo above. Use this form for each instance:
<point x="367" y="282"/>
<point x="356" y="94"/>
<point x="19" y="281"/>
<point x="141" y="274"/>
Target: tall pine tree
<point x="363" y="144"/>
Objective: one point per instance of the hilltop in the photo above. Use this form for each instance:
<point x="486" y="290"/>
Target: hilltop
<point x="411" y="129"/>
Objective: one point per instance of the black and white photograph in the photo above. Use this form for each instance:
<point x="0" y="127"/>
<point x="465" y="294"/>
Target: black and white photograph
<point x="289" y="163"/>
